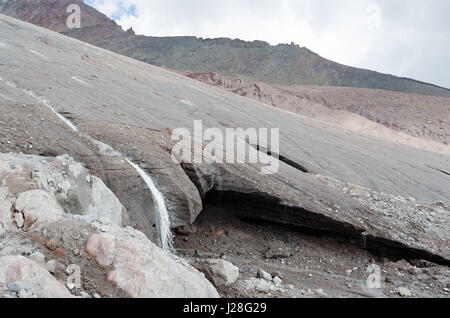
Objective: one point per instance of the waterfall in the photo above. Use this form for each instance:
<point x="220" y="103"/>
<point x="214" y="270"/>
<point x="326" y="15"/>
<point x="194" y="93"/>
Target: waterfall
<point x="160" y="207"/>
<point x="162" y="216"/>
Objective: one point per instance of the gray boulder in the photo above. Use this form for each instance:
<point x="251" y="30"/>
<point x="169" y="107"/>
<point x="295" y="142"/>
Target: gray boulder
<point x="218" y="271"/>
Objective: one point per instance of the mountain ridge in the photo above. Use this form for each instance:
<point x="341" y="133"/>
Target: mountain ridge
<point x="283" y="64"/>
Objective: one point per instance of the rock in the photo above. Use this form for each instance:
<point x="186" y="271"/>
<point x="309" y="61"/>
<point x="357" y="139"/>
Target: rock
<point x="104" y="205"/>
<point x="276" y="250"/>
<point x="277" y="280"/>
<point x="263" y="274"/>
<point x="258" y="285"/>
<point x="38" y="206"/>
<point x="4" y="191"/>
<point x="404" y="292"/>
<point x="422" y="263"/>
<point x="440" y="204"/>
<point x="51" y="245"/>
<point x="24" y="293"/>
<point x="218" y="271"/>
<point x="16" y="287"/>
<point x="186" y="230"/>
<point x="65" y="180"/>
<point x="74" y="279"/>
<point x="51" y="266"/>
<point x="20" y="269"/>
<point x="143" y="270"/>
<point x="37" y="257"/>
<point x="218" y="233"/>
<point x="19" y="220"/>
<point x="101" y="247"/>
<point x="60" y="252"/>
<point x="308" y="200"/>
<point x="276" y="274"/>
<point x="6" y="221"/>
<point x="198" y="254"/>
<point x="85" y="295"/>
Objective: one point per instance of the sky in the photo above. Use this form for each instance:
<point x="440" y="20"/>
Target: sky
<point x="409" y="38"/>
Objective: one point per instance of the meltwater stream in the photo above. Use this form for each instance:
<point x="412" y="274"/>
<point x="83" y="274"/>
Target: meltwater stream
<point x="163" y="220"/>
<point x="160" y="207"/>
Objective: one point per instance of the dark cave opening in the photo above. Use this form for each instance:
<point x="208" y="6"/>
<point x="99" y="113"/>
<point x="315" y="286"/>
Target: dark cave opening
<point x="265" y="212"/>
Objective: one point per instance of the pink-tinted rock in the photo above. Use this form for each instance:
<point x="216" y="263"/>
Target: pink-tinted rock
<point x="101" y="247"/>
<point x="143" y="270"/>
<point x="21" y="269"/>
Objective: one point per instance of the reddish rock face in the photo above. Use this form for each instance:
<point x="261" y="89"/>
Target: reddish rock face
<point x="377" y="111"/>
<point x="51" y="245"/>
<point x="60" y="253"/>
<point x="52" y="14"/>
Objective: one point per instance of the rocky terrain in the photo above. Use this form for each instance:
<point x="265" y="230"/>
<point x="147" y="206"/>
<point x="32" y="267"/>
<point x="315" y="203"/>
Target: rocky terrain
<point x="285" y="64"/>
<point x="61" y="236"/>
<point x="406" y="118"/>
<point x="413" y="119"/>
<point x="338" y="196"/>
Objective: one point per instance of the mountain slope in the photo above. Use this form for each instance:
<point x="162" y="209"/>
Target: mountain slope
<point x="282" y="64"/>
<point x="362" y="189"/>
<point x="407" y="118"/>
<point x="47" y="79"/>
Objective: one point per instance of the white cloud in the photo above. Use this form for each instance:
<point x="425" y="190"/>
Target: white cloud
<point x="402" y="37"/>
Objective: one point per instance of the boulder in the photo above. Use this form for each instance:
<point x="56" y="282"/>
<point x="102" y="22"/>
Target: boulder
<point x="101" y="247"/>
<point x="263" y="274"/>
<point x="258" y="285"/>
<point x="69" y="182"/>
<point x="38" y="207"/>
<point x="6" y="221"/>
<point x="38" y="257"/>
<point x="26" y="274"/>
<point x="143" y="270"/>
<point x="218" y="271"/>
<point x="19" y="220"/>
<point x="104" y="205"/>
